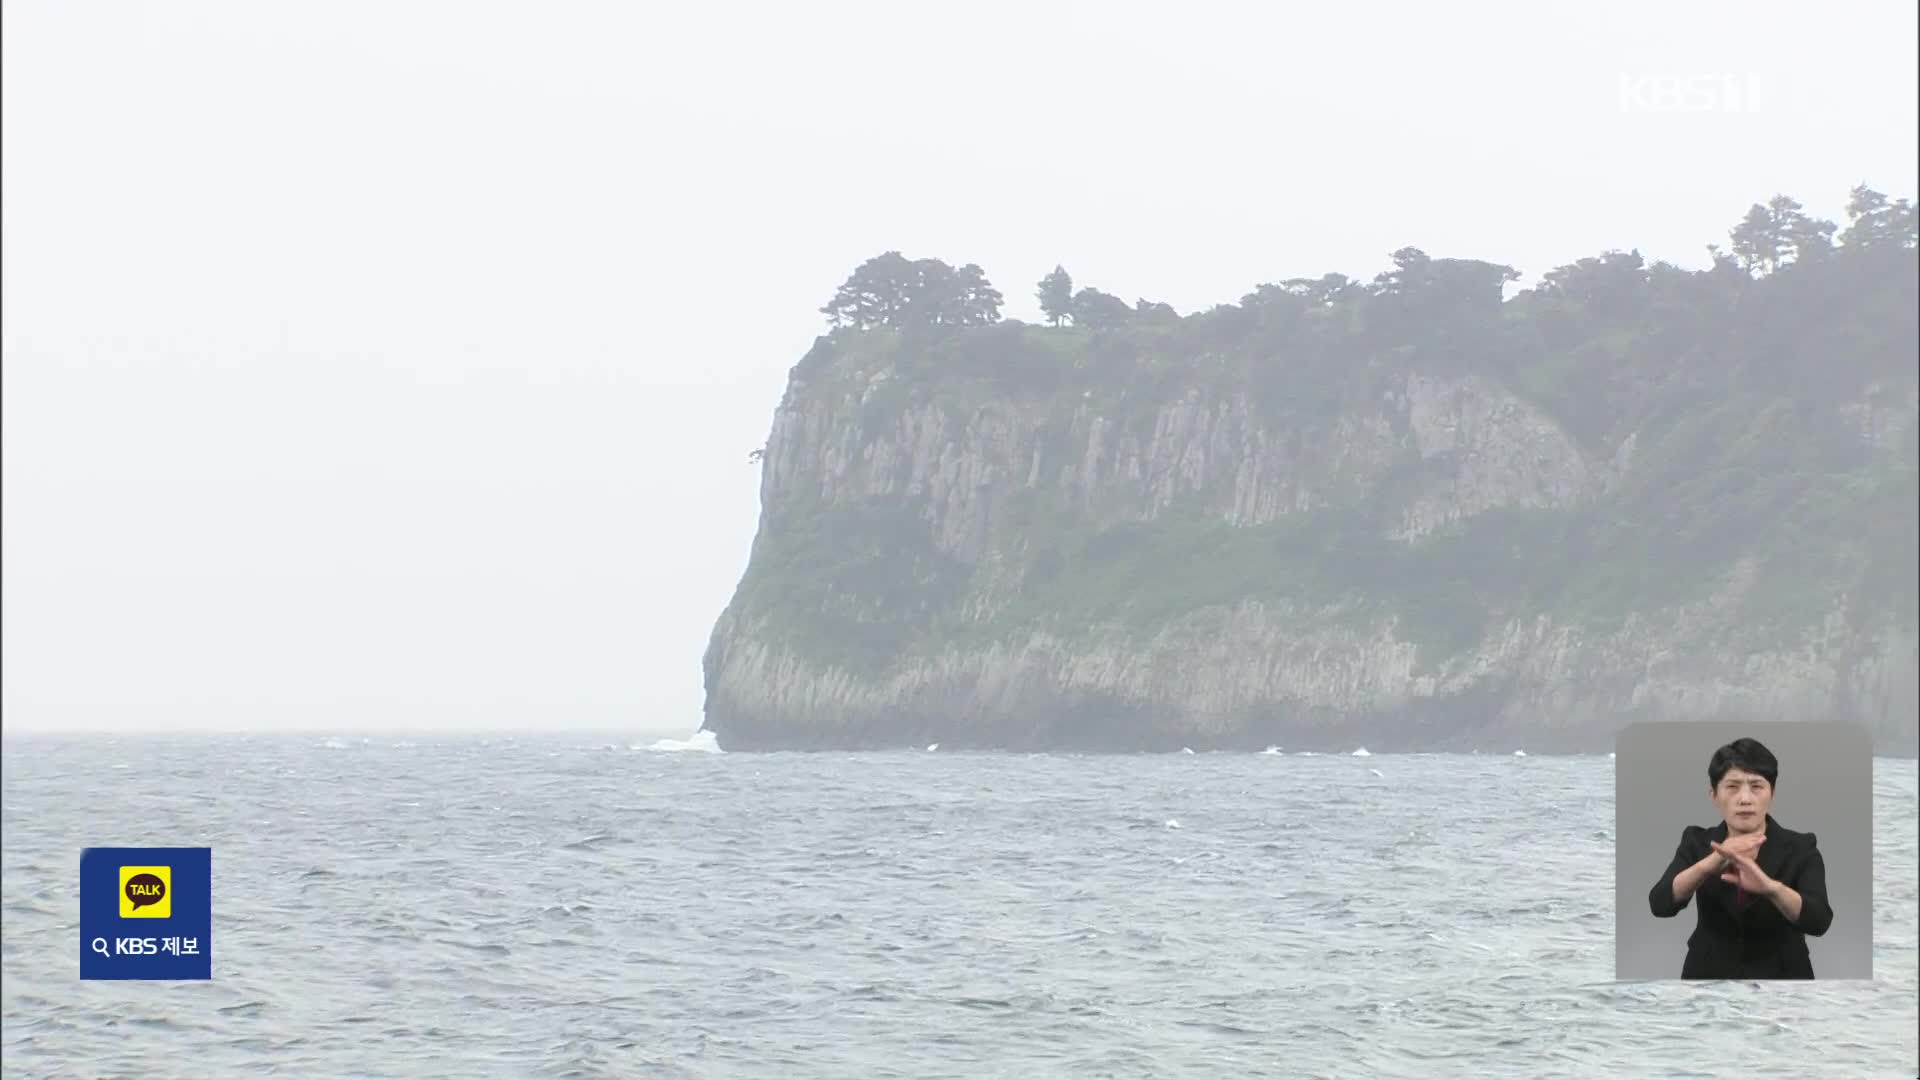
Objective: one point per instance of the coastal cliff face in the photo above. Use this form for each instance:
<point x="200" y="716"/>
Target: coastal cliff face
<point x="1040" y="538"/>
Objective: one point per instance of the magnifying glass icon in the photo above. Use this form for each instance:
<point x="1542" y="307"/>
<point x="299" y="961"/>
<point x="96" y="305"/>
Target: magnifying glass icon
<point x="100" y="946"/>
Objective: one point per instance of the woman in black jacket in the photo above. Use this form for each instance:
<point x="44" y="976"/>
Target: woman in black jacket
<point x="1762" y="887"/>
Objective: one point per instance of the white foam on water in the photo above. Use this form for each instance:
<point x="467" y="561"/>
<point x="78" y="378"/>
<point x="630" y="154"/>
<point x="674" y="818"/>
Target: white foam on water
<point x="1172" y="823"/>
<point x="1362" y="752"/>
<point x="1519" y="753"/>
<point x="1378" y="773"/>
<point x="700" y="742"/>
<point x="1271" y="750"/>
<point x="932" y="746"/>
<point x="1186" y="749"/>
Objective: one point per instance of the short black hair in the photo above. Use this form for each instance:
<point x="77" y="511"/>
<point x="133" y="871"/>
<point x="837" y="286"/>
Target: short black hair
<point x="1744" y="754"/>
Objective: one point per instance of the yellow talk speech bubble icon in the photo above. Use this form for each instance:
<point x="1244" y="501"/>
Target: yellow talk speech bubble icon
<point x="146" y="892"/>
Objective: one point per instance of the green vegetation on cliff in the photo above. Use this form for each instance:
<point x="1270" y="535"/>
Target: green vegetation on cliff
<point x="1757" y="413"/>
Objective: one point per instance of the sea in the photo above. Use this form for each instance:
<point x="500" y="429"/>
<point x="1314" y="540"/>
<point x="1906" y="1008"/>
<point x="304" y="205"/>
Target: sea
<point x="578" y="906"/>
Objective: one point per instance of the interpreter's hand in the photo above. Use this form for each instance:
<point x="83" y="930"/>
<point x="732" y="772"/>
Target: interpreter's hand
<point x="1746" y="844"/>
<point x="1745" y="872"/>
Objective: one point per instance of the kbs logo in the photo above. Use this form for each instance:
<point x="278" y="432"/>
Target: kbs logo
<point x="1689" y="93"/>
<point x="169" y="889"/>
<point x="146" y="892"/>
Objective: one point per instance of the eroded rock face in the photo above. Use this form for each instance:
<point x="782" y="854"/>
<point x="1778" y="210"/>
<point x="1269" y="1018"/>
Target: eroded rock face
<point x="1429" y="454"/>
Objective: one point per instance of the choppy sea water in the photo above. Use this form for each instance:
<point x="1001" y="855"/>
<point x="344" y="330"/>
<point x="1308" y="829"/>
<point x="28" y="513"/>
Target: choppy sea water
<point x="563" y="907"/>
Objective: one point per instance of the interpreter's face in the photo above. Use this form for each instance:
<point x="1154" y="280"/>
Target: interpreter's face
<point x="1743" y="799"/>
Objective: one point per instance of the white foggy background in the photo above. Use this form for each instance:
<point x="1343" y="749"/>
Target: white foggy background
<point x="395" y="366"/>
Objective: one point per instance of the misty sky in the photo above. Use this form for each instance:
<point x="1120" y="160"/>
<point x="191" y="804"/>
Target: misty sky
<point x="395" y="366"/>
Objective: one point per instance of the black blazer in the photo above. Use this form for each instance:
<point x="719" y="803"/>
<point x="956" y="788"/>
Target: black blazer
<point x="1755" y="941"/>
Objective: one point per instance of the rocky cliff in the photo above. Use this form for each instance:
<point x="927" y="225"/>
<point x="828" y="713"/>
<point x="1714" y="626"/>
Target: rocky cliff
<point x="1250" y="528"/>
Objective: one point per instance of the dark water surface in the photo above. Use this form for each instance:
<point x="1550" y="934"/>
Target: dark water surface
<point x="557" y="907"/>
